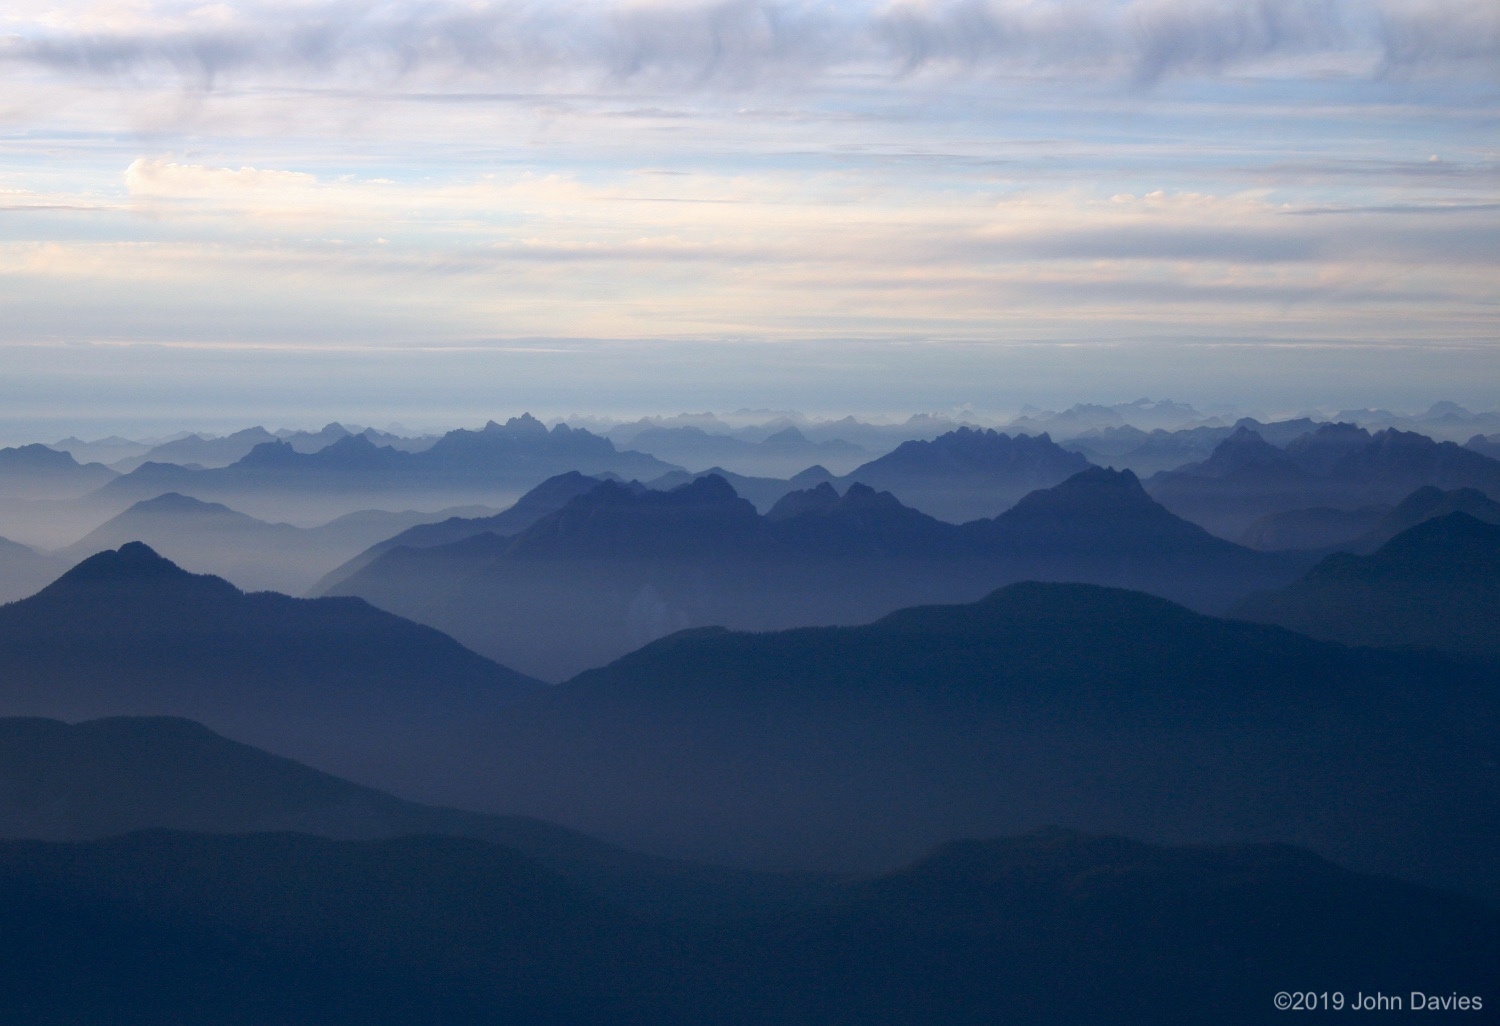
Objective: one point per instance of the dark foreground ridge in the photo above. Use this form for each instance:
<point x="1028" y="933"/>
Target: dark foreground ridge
<point x="1051" y="927"/>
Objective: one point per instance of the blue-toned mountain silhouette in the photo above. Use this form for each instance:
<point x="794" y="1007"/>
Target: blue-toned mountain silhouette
<point x="494" y="464"/>
<point x="334" y="682"/>
<point x="552" y="494"/>
<point x="25" y="571"/>
<point x="968" y="474"/>
<point x="254" y="555"/>
<point x="41" y="472"/>
<point x="1045" y="928"/>
<point x="1338" y="466"/>
<point x="1091" y="707"/>
<point x="1434" y="585"/>
<point x="617" y="567"/>
<point x="1367" y="528"/>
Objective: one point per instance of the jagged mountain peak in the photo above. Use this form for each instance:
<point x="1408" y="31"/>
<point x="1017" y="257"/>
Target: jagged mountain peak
<point x="524" y="424"/>
<point x="36" y="457"/>
<point x="267" y="454"/>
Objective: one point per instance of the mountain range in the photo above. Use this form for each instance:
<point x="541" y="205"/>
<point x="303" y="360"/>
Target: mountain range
<point x="968" y="474"/>
<point x="616" y="567"/>
<point x="1434" y="585"/>
<point x="1147" y="453"/>
<point x="25" y="571"/>
<point x="547" y="497"/>
<point x="209" y="452"/>
<point x="1093" y="708"/>
<point x="40" y="472"/>
<point x="1051" y="927"/>
<point x="492" y="466"/>
<point x="1367" y="528"/>
<point x="333" y="682"/>
<point x="1147" y="414"/>
<point x="781" y="454"/>
<point x="253" y="554"/>
<point x="1338" y="465"/>
<point x="965" y="474"/>
<point x="104" y="778"/>
<point x="1485" y="445"/>
<point x="755" y="426"/>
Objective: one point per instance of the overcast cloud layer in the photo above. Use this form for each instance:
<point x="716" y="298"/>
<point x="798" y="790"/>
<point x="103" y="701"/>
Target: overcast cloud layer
<point x="298" y="178"/>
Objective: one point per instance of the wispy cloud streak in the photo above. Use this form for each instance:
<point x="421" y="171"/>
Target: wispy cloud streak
<point x="568" y="44"/>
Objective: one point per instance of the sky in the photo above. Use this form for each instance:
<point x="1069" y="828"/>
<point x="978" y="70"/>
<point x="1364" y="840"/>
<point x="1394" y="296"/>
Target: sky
<point x="434" y="211"/>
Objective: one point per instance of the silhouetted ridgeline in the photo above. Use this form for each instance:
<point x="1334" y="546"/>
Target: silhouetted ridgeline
<point x="773" y="690"/>
<point x="1053" y="927"/>
<point x="1367" y="528"/>
<point x="25" y="571"/>
<point x="210" y="537"/>
<point x="334" y="682"/>
<point x="498" y="462"/>
<point x="781" y="454"/>
<point x="552" y="494"/>
<point x="1435" y="585"/>
<point x="616" y="567"/>
<point x="968" y="474"/>
<point x="104" y="778"/>
<point x="1095" y="708"/>
<point x="1338" y="466"/>
<point x="40" y="472"/>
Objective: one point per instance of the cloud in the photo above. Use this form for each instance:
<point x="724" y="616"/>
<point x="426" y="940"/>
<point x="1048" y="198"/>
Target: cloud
<point x="163" y="179"/>
<point x="736" y="44"/>
<point x="1421" y="35"/>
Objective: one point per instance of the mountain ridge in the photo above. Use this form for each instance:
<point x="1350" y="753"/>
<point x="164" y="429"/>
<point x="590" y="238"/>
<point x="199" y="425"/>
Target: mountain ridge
<point x="616" y="567"/>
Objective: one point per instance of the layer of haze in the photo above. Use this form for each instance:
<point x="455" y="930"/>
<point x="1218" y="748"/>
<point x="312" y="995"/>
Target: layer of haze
<point x="423" y="211"/>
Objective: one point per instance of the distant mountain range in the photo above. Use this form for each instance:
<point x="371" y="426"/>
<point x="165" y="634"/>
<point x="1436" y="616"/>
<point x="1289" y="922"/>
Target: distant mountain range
<point x="757" y="426"/>
<point x="1147" y="414"/>
<point x="336" y="683"/>
<point x="253" y="555"/>
<point x="1485" y="445"/>
<point x="781" y="454"/>
<point x="1338" y="466"/>
<point x="1433" y="585"/>
<point x="40" y="472"/>
<point x="968" y="474"/>
<point x="1094" y="708"/>
<point x="1146" y="453"/>
<point x="1447" y="421"/>
<point x="25" y="571"/>
<point x="209" y="452"/>
<point x="1051" y="927"/>
<point x="617" y="566"/>
<point x="547" y="497"/>
<point x="200" y="451"/>
<point x="493" y="466"/>
<point x="107" y="450"/>
<point x="1367" y="528"/>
